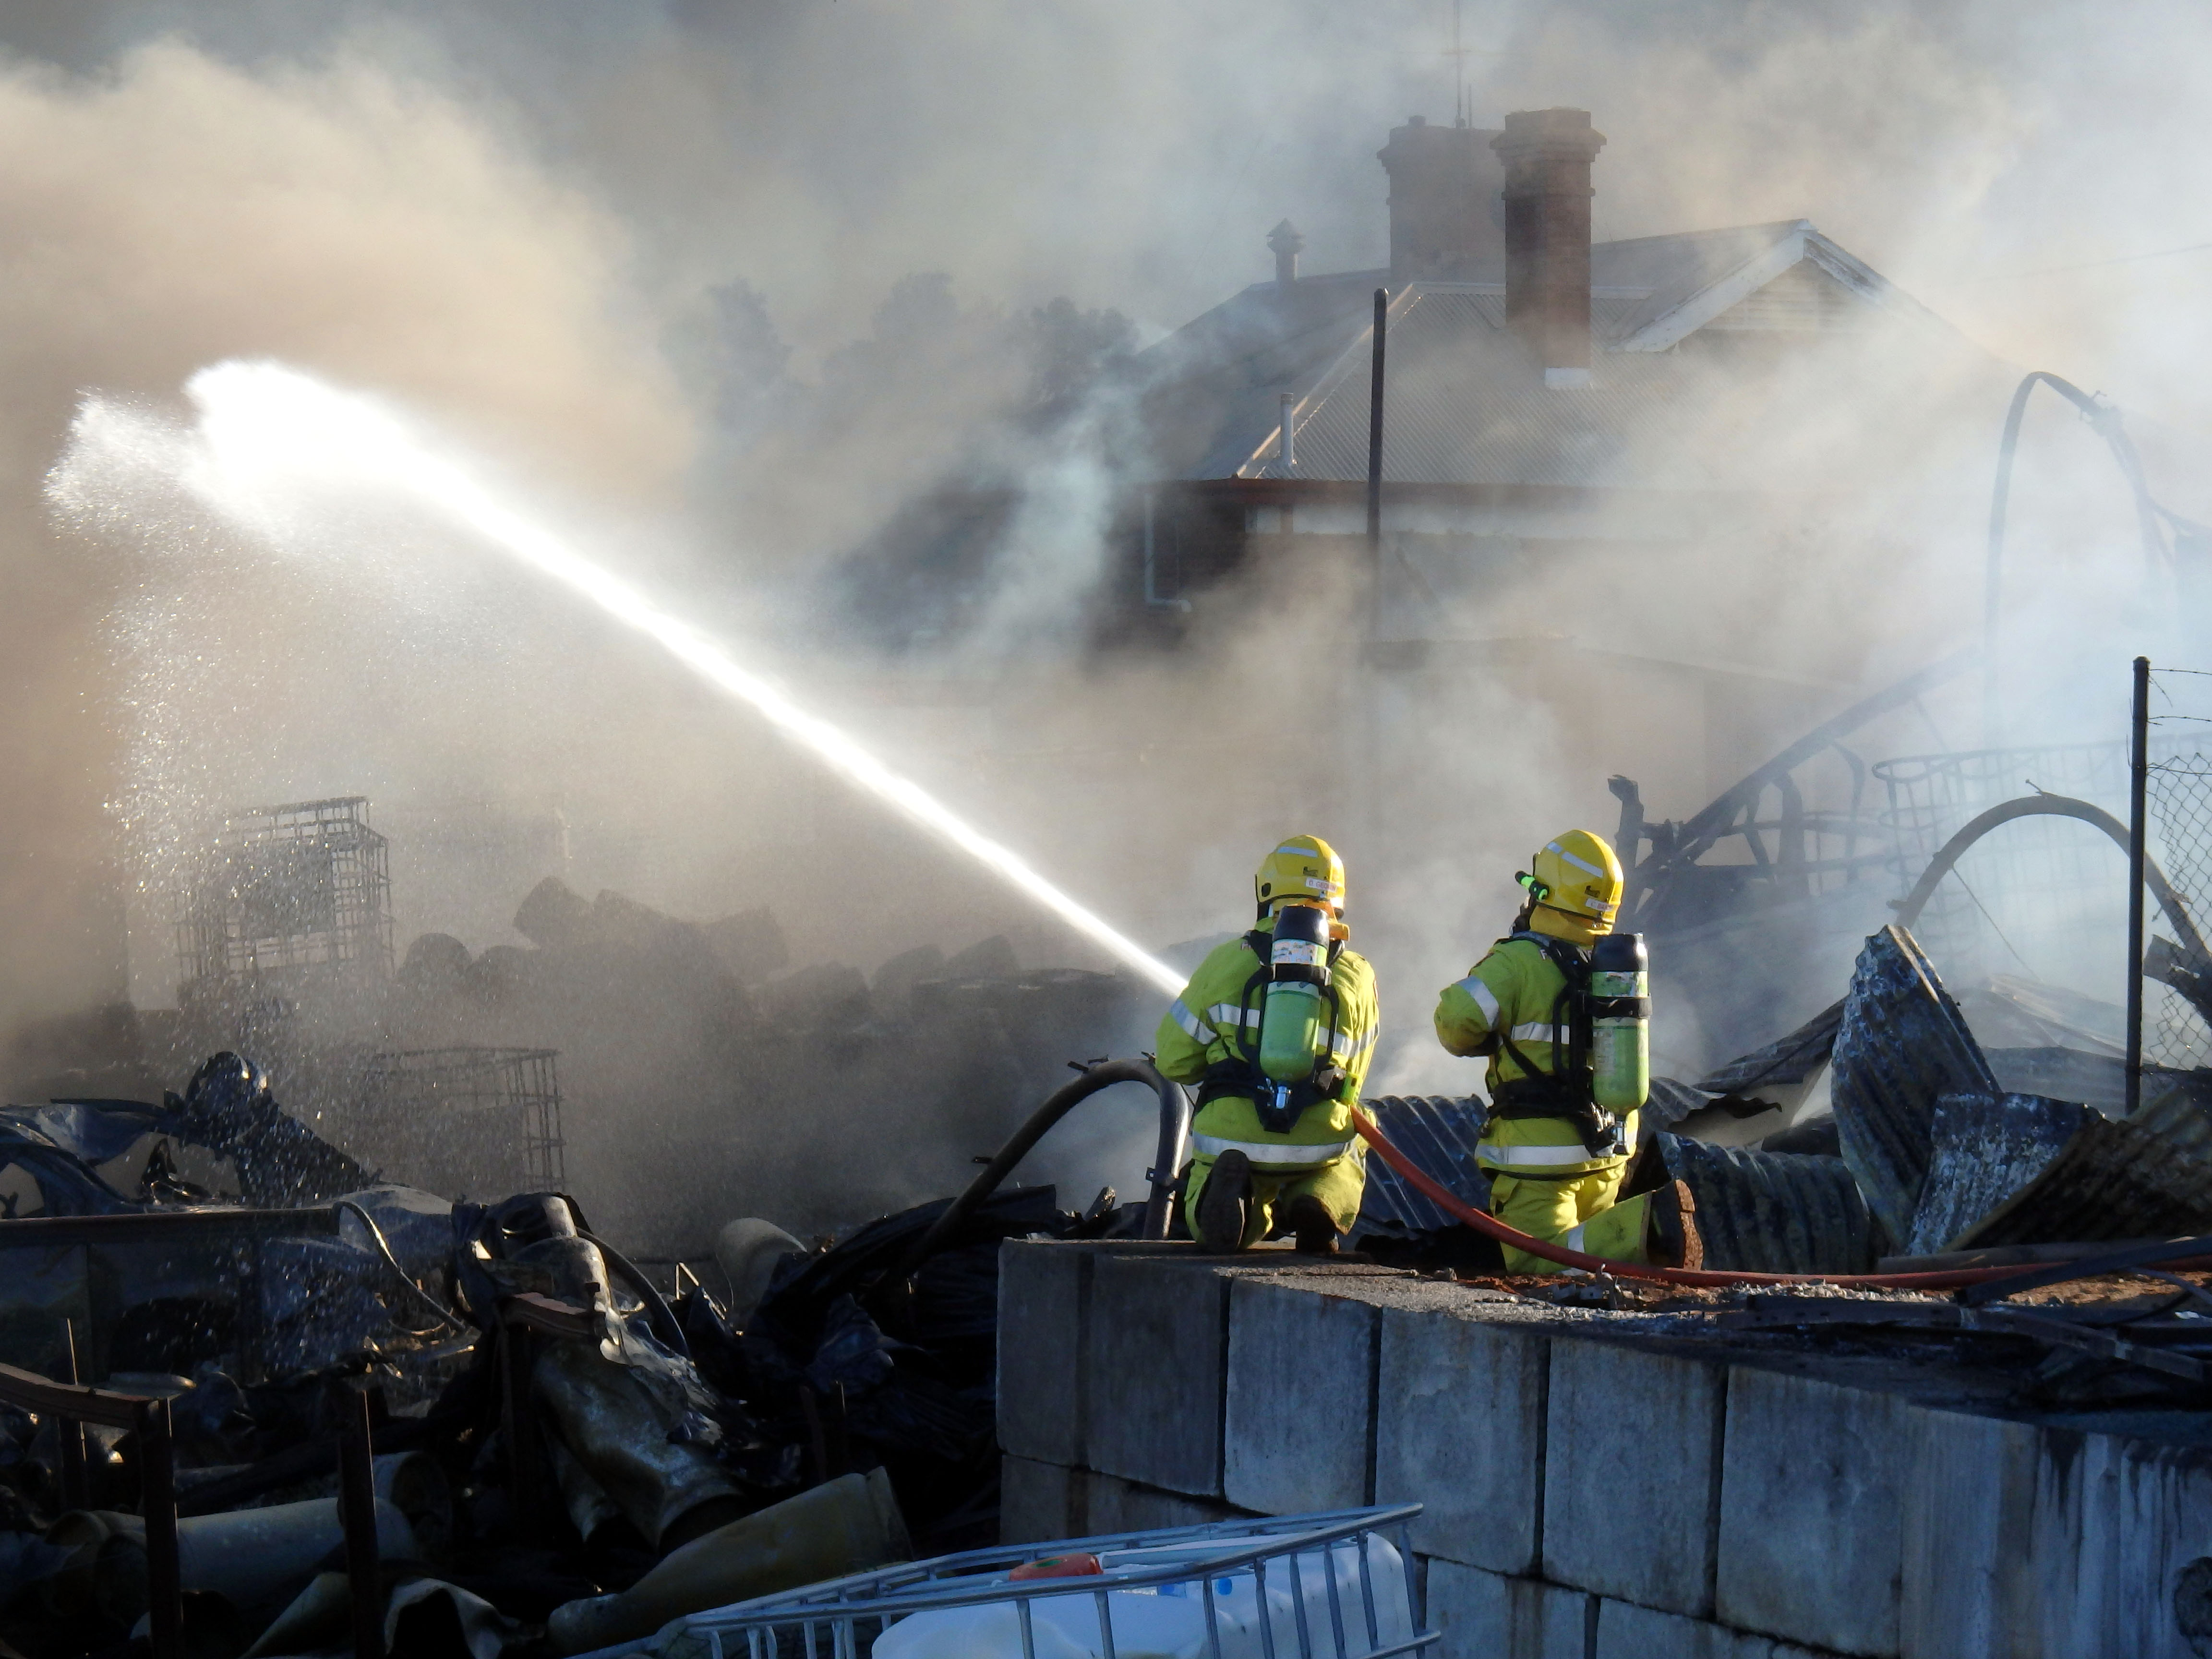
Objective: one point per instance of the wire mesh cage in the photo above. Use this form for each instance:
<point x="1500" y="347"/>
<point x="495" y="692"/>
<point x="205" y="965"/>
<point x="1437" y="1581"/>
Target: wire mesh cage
<point x="288" y="892"/>
<point x="462" y="1121"/>
<point x="1338" y="1585"/>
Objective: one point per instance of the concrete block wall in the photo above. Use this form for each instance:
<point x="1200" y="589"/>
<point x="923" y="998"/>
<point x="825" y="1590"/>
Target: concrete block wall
<point x="1591" y="1493"/>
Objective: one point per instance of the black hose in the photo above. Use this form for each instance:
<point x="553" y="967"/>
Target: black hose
<point x="2058" y="806"/>
<point x="1174" y="1128"/>
<point x="376" y="1237"/>
<point x="658" y="1313"/>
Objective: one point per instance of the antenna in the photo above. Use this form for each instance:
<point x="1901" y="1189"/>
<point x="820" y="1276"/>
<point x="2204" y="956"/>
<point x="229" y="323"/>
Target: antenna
<point x="1460" y="112"/>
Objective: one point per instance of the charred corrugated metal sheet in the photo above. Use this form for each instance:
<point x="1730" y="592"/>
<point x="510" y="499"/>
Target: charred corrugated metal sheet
<point x="1438" y="1133"/>
<point x="2178" y="1106"/>
<point x="2025" y="1170"/>
<point x="1787" y="1060"/>
<point x="1780" y="1212"/>
<point x="1670" y="1101"/>
<point x="1902" y="1045"/>
<point x="2099" y="1080"/>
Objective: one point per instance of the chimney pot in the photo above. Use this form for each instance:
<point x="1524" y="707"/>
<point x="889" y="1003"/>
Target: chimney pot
<point x="1286" y="243"/>
<point x="1444" y="216"/>
<point x="1547" y="155"/>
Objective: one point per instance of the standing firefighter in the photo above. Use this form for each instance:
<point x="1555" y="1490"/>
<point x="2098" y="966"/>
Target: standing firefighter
<point x="1558" y="1009"/>
<point x="1276" y="1028"/>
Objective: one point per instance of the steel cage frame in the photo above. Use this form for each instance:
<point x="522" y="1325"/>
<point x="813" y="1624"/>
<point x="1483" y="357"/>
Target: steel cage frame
<point x="889" y="1594"/>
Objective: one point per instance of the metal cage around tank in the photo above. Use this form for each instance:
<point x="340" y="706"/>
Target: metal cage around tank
<point x="1208" y="1565"/>
<point x="299" y="891"/>
<point x="475" y="1121"/>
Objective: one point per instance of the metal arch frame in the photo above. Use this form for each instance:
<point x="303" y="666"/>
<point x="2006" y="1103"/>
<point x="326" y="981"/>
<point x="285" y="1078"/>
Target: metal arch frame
<point x="2059" y="807"/>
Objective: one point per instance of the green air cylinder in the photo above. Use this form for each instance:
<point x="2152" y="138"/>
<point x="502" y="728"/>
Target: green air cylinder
<point x="1620" y="1022"/>
<point x="1290" y="1008"/>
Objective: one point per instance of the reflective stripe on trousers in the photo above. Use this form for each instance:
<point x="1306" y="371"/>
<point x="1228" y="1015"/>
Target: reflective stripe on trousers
<point x="1570" y="1158"/>
<point x="1272" y="1153"/>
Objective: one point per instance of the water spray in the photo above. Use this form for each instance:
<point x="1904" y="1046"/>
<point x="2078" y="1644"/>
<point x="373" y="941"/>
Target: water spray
<point x="271" y="433"/>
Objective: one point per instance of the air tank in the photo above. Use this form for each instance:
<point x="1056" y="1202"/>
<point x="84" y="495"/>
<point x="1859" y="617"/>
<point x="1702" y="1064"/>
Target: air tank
<point x="1291" y="1009"/>
<point x="1620" y="1022"/>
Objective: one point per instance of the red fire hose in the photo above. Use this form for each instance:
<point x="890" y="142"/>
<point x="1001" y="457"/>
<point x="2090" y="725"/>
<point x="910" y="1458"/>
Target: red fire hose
<point x="1438" y="1194"/>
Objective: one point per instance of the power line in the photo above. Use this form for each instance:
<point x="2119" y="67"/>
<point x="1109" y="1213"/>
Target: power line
<point x="2089" y="265"/>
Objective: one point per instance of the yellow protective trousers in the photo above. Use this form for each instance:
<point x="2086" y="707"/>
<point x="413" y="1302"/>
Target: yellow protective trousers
<point x="1576" y="1211"/>
<point x="1340" y="1185"/>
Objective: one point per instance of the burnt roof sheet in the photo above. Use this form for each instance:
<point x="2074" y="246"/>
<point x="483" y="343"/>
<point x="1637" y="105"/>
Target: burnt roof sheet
<point x="1790" y="1059"/>
<point x="1438" y="1133"/>
<point x="1902" y="1045"/>
<point x="1780" y="1212"/>
<point x="2025" y="1170"/>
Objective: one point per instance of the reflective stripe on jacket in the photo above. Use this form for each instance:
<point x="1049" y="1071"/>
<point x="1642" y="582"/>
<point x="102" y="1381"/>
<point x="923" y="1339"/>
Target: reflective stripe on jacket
<point x="1513" y="990"/>
<point x="1196" y="1033"/>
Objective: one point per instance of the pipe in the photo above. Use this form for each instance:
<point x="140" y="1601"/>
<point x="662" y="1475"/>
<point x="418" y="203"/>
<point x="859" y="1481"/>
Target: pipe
<point x="657" y="1310"/>
<point x="1382" y="332"/>
<point x="1167" y="1158"/>
<point x="1452" y="1205"/>
<point x="2056" y="807"/>
<point x="2106" y="421"/>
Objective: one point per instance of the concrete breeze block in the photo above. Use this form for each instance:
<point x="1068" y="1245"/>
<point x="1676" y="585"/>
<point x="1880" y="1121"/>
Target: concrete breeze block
<point x="1154" y="1372"/>
<point x="1631" y="1447"/>
<point x="1301" y="1395"/>
<point x="1811" y="1483"/>
<point x="1627" y="1631"/>
<point x="1484" y="1615"/>
<point x="1038" y="1501"/>
<point x="1460" y="1428"/>
<point x="1044" y="1293"/>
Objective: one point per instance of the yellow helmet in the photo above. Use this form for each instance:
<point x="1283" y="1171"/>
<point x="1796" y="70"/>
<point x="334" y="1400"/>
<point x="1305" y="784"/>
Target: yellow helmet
<point x="1576" y="886"/>
<point x="1305" y="868"/>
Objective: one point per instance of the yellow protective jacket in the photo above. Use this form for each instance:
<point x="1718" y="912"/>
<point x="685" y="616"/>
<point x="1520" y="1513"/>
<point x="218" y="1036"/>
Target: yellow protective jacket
<point x="1197" y="1033"/>
<point x="1512" y="992"/>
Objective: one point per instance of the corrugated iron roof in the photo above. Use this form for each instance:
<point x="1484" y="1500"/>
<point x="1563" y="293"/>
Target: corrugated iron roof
<point x="1902" y="1045"/>
<point x="2025" y="1170"/>
<point x="1779" y="1212"/>
<point x="1437" y="1132"/>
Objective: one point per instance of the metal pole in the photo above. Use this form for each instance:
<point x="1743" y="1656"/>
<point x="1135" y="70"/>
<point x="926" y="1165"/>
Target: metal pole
<point x="1375" y="468"/>
<point x="76" y="1485"/>
<point x="357" y="1516"/>
<point x="2138" y="792"/>
<point x="157" y="1504"/>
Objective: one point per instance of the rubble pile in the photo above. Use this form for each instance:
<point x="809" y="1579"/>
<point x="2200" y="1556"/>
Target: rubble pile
<point x="565" y="1456"/>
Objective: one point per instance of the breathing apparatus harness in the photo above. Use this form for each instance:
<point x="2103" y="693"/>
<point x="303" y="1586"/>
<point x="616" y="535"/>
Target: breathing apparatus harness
<point x="1605" y="1067"/>
<point x="1293" y="1064"/>
<point x="1566" y="1091"/>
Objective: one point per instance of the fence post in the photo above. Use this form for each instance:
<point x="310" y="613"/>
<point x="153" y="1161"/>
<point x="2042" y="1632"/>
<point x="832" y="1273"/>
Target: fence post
<point x="2138" y="792"/>
<point x="157" y="1503"/>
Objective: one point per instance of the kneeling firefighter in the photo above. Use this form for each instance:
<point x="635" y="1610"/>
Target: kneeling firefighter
<point x="1276" y="1029"/>
<point x="1560" y="1010"/>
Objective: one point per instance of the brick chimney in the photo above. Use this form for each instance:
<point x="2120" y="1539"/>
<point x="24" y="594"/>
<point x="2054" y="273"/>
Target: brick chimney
<point x="1445" y="223"/>
<point x="1285" y="243"/>
<point x="1547" y="155"/>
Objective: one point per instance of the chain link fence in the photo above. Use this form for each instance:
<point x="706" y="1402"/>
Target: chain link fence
<point x="2177" y="825"/>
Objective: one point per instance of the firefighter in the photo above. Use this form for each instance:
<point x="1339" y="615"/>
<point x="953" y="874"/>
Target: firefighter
<point x="1555" y="1158"/>
<point x="1276" y="1029"/>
